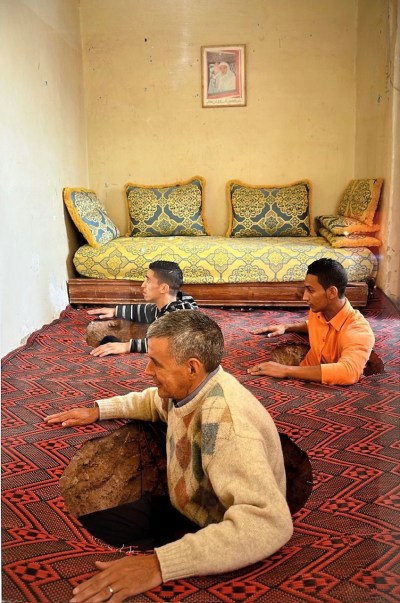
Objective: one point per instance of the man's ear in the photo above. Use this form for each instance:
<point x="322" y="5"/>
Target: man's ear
<point x="164" y="288"/>
<point x="332" y="292"/>
<point x="195" y="367"/>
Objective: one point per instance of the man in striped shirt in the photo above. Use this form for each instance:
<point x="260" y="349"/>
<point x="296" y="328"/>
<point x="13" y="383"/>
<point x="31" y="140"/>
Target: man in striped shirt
<point x="161" y="292"/>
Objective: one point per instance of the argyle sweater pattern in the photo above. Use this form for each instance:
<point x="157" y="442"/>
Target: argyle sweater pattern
<point x="225" y="473"/>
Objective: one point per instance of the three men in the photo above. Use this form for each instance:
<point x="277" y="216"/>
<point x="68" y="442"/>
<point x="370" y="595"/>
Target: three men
<point x="225" y="465"/>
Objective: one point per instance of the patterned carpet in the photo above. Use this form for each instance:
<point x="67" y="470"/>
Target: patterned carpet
<point x="345" y="547"/>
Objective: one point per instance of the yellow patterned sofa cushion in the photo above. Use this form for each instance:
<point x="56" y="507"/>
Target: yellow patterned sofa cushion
<point x="89" y="216"/>
<point x="168" y="209"/>
<point x="360" y="199"/>
<point x="269" y="210"/>
<point x="341" y="225"/>
<point x="351" y="240"/>
<point x="216" y="259"/>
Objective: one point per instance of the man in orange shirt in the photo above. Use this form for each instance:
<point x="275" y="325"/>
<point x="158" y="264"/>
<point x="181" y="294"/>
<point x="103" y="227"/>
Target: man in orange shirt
<point x="341" y="339"/>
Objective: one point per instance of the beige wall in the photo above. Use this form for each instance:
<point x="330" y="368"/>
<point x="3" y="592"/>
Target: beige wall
<point x="323" y="103"/>
<point x="42" y="147"/>
<point x="143" y="96"/>
<point x="377" y="148"/>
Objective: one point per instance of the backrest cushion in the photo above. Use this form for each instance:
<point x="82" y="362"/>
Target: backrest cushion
<point x="167" y="209"/>
<point x="89" y="216"/>
<point x="360" y="199"/>
<point x="269" y="210"/>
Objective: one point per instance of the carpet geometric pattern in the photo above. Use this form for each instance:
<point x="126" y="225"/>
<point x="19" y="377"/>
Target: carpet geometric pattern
<point x="345" y="546"/>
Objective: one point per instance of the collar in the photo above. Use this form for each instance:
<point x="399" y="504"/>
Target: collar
<point x="164" y="308"/>
<point x="338" y="320"/>
<point x="195" y="391"/>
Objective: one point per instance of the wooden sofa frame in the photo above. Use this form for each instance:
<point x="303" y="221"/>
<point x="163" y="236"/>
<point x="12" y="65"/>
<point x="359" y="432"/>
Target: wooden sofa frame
<point x="86" y="291"/>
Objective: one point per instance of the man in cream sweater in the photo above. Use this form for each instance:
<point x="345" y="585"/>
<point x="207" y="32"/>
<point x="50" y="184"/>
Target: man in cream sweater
<point x="224" y="462"/>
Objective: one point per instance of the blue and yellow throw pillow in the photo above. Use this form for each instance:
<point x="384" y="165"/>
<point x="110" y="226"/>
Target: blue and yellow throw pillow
<point x="269" y="210"/>
<point x="351" y="240"/>
<point x="360" y="199"/>
<point x="89" y="216"/>
<point x="168" y="209"/>
<point x="342" y="225"/>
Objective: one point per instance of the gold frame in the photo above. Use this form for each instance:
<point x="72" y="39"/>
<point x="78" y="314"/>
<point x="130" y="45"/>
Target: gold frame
<point x="223" y="76"/>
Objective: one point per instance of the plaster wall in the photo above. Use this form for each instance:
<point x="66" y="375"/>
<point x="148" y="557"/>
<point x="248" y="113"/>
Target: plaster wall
<point x="43" y="147"/>
<point x="378" y="125"/>
<point x="145" y="118"/>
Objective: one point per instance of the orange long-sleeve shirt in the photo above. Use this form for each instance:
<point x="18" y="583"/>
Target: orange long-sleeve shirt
<point x="341" y="346"/>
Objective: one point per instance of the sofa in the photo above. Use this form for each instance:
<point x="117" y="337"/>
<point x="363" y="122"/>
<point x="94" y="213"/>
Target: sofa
<point x="260" y="261"/>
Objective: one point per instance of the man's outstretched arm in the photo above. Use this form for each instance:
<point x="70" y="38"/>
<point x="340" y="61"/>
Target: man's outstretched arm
<point x="279" y="329"/>
<point x="145" y="406"/>
<point x="282" y="371"/>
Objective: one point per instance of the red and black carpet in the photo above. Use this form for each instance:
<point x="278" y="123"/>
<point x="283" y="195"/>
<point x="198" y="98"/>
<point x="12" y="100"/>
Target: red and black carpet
<point x="345" y="547"/>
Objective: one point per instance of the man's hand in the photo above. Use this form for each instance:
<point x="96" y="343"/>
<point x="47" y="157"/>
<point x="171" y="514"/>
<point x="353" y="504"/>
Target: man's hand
<point x="120" y="579"/>
<point x="113" y="347"/>
<point x="73" y="417"/>
<point x="273" y="330"/>
<point x="102" y="312"/>
<point x="271" y="369"/>
<point x="282" y="371"/>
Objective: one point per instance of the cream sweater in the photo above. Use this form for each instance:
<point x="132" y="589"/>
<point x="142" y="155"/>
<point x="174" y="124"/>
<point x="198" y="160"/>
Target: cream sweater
<point x="225" y="472"/>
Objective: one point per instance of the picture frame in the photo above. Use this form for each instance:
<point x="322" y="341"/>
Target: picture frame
<point x="223" y="76"/>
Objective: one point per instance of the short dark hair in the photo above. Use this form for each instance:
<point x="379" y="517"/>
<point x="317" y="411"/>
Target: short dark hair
<point x="191" y="334"/>
<point x="168" y="272"/>
<point x="329" y="273"/>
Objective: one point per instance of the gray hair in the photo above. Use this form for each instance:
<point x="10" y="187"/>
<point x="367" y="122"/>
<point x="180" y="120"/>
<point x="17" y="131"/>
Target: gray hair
<point x="191" y="334"/>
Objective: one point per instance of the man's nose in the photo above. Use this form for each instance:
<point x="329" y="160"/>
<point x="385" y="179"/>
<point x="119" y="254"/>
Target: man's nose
<point x="148" y="370"/>
<point x="305" y="295"/>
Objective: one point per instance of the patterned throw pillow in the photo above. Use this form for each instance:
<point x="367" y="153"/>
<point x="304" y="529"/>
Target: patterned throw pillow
<point x="340" y="225"/>
<point x="360" y="199"/>
<point x="351" y="240"/>
<point x="269" y="211"/>
<point x="167" y="210"/>
<point x="89" y="216"/>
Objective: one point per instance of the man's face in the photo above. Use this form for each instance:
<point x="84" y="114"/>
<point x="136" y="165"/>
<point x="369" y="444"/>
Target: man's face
<point x="151" y="288"/>
<point x="315" y="295"/>
<point x="172" y="380"/>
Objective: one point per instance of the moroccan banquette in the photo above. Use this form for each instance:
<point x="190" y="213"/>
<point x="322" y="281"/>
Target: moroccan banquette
<point x="261" y="261"/>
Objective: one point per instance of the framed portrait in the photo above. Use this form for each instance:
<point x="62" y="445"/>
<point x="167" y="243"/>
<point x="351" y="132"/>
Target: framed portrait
<point x="223" y="76"/>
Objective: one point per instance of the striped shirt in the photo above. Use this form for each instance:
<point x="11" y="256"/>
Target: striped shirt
<point x="148" y="313"/>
